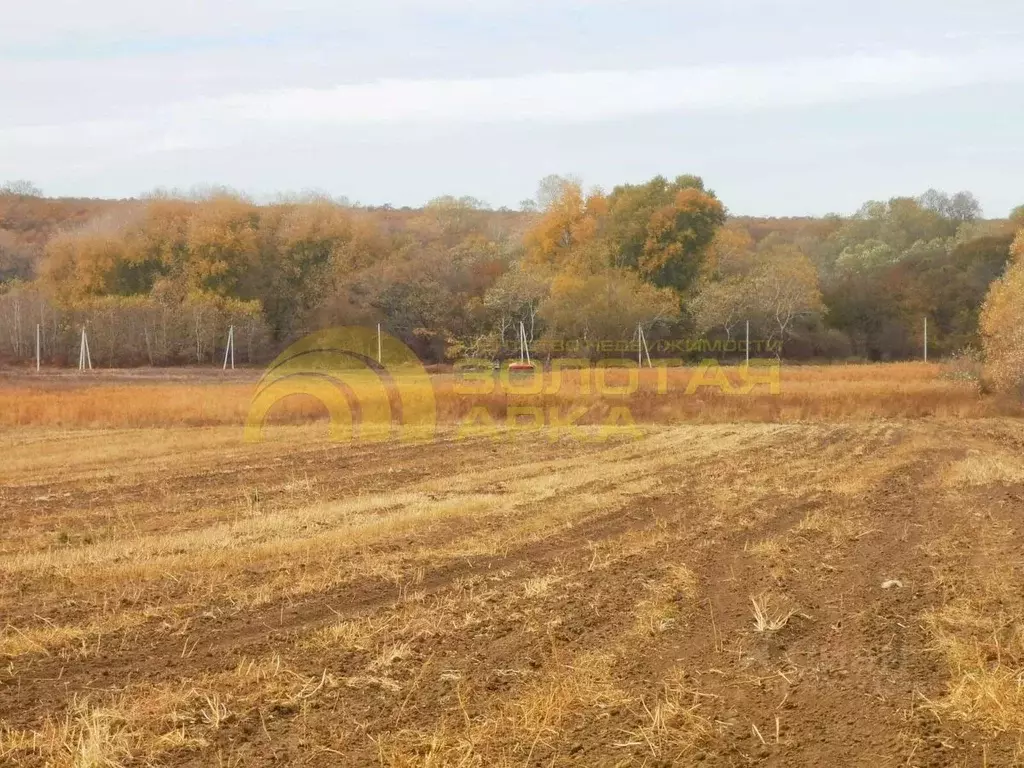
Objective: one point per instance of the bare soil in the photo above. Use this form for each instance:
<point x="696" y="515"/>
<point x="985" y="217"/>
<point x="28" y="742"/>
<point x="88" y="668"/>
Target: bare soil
<point x="175" y="597"/>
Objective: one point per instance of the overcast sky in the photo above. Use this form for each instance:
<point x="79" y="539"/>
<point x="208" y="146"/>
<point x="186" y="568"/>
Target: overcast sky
<point x="788" y="107"/>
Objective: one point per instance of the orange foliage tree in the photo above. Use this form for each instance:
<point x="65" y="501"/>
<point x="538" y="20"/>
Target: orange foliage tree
<point x="1002" y="326"/>
<point x="567" y="226"/>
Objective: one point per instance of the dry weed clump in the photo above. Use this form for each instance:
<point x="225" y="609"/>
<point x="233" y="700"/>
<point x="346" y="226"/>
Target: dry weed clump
<point x="983" y="647"/>
<point x="769" y="613"/>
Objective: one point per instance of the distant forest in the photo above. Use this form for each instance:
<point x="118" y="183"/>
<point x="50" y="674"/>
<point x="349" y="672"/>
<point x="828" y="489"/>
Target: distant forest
<point x="158" y="280"/>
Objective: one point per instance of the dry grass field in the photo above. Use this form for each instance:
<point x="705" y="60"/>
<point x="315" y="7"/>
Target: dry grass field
<point x="830" y="576"/>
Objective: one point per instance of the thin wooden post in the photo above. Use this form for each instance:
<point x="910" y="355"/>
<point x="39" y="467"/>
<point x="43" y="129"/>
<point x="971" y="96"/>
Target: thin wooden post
<point x="379" y="345"/>
<point x="524" y="347"/>
<point x="38" y="354"/>
<point x="642" y="348"/>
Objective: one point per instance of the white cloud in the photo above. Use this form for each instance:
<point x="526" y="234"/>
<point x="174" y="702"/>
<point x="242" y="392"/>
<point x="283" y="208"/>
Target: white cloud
<point x="587" y="96"/>
<point x="570" y="97"/>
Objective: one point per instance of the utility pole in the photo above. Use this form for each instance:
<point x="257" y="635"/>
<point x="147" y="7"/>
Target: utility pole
<point x="229" y="350"/>
<point x="84" y="358"/>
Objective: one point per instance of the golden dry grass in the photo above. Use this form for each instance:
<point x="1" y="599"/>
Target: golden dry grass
<point x="852" y="392"/>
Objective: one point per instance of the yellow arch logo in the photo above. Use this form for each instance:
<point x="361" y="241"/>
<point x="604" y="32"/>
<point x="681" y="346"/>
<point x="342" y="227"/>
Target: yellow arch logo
<point x="339" y="368"/>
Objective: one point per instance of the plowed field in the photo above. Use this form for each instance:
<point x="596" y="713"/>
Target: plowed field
<point x="792" y="594"/>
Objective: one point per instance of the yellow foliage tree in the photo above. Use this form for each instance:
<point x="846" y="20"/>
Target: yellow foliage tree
<point x="730" y="253"/>
<point x="567" y="226"/>
<point x="604" y="305"/>
<point x="223" y="244"/>
<point x="1002" y="326"/>
<point x="83" y="263"/>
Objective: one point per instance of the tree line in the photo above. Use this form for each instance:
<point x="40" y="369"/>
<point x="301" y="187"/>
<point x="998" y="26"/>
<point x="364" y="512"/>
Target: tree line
<point x="158" y="281"/>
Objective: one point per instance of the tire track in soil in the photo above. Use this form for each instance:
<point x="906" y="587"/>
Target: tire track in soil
<point x="227" y="641"/>
<point x="854" y="663"/>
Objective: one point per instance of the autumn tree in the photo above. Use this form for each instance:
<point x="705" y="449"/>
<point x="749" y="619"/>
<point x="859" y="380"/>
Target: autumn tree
<point x="551" y="188"/>
<point x="725" y="295"/>
<point x="15" y="257"/>
<point x="22" y="307"/>
<point x="223" y="243"/>
<point x="724" y="304"/>
<point x="961" y="207"/>
<point x="453" y="273"/>
<point x="85" y="263"/>
<point x="605" y="305"/>
<point x="785" y="289"/>
<point x="567" y="227"/>
<point x="1002" y="326"/>
<point x="516" y="297"/>
<point x="949" y="287"/>
<point x="299" y="248"/>
<point x="882" y="233"/>
<point x="454" y="217"/>
<point x="663" y="229"/>
<point x="731" y="252"/>
<point x="159" y="239"/>
<point x="772" y="289"/>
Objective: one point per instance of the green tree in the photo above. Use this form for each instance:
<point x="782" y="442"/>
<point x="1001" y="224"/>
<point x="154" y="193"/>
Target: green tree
<point x="663" y="229"/>
<point x="300" y="246"/>
<point x="960" y="207"/>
